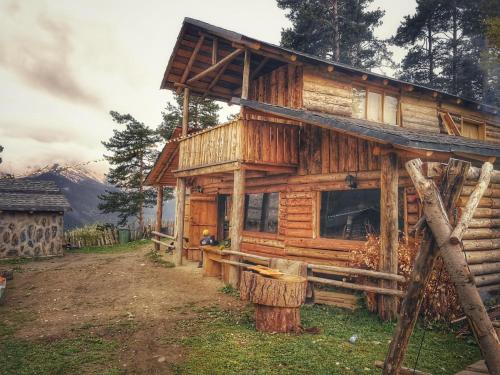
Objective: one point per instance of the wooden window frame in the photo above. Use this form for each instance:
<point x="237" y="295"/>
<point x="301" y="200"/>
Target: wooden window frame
<point x="383" y="93"/>
<point x="270" y="234"/>
<point x="480" y="124"/>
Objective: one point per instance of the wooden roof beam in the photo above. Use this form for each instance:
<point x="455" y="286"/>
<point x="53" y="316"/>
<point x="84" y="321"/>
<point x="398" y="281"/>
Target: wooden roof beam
<point x="216" y="66"/>
<point x="191" y="60"/>
<point x="215" y="80"/>
<point x="259" y="67"/>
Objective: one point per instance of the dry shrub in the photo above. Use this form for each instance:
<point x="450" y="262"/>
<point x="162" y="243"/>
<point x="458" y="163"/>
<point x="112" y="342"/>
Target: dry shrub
<point x="440" y="299"/>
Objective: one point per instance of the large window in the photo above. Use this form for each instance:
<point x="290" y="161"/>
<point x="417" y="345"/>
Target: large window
<point x="350" y="214"/>
<point x="374" y="105"/>
<point x="261" y="212"/>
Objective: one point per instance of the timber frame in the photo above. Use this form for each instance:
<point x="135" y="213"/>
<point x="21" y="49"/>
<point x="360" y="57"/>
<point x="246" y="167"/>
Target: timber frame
<point x="296" y="136"/>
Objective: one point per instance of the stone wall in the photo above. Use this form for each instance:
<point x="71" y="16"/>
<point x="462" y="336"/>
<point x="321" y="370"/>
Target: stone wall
<point x="31" y="235"/>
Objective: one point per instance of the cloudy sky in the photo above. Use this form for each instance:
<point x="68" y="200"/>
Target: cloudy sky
<point x="64" y="64"/>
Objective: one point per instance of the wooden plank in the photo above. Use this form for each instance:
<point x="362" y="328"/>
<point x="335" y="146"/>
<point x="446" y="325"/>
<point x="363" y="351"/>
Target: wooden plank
<point x="214" y="67"/>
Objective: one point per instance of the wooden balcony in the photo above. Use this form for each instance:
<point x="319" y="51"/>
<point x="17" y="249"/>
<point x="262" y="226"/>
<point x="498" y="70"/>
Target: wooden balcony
<point x="252" y="144"/>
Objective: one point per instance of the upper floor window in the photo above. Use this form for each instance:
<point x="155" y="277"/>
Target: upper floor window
<point x="261" y="212"/>
<point x="472" y="129"/>
<point x="373" y="105"/>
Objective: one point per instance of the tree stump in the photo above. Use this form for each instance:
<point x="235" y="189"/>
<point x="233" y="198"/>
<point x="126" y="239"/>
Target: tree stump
<point x="277" y="300"/>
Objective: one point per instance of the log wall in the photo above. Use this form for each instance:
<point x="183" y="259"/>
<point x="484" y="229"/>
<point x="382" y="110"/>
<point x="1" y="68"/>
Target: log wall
<point x="482" y="240"/>
<point x="419" y="113"/>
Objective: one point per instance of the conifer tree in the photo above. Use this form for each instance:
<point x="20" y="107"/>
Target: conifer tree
<point x="341" y="30"/>
<point x="131" y="155"/>
<point x="202" y="113"/>
<point x="1" y="150"/>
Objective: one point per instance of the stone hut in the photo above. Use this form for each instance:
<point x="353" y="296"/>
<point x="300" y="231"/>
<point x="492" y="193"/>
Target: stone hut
<point x="31" y="218"/>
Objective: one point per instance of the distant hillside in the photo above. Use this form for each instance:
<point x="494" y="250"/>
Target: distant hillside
<point x="82" y="189"/>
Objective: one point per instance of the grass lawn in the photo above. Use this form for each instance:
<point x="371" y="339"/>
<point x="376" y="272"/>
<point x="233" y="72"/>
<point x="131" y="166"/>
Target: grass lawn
<point x="226" y="343"/>
<point x="119" y="248"/>
<point x="83" y="352"/>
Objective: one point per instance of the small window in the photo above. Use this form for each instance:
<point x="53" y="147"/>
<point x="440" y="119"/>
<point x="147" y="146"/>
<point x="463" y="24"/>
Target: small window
<point x="261" y="212"/>
<point x="374" y="106"/>
<point x="472" y="130"/>
<point x="358" y="102"/>
<point x="374" y="112"/>
<point x="390" y="110"/>
<point x="350" y="214"/>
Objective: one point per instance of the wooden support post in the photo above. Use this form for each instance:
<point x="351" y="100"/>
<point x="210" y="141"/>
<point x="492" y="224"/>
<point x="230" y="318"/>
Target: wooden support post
<point x="246" y="75"/>
<point x="237" y="217"/>
<point x="472" y="203"/>
<point x="215" y="50"/>
<point x="389" y="241"/>
<point x="451" y="187"/>
<point x="185" y="112"/>
<point x="159" y="213"/>
<point x="179" y="220"/>
<point x="457" y="267"/>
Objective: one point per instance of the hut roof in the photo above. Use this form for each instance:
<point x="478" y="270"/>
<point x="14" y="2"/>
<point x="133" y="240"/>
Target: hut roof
<point x="31" y="196"/>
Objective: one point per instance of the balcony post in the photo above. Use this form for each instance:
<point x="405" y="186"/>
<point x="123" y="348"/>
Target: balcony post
<point x="159" y="213"/>
<point x="181" y="190"/>
<point x="237" y="217"/>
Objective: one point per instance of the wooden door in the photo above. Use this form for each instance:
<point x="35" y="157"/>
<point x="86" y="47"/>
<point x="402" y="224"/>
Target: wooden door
<point x="202" y="215"/>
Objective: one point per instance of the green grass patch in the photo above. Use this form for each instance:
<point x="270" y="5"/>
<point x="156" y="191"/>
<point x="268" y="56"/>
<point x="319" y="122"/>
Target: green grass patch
<point x="156" y="258"/>
<point x="230" y="290"/>
<point x="84" y="354"/>
<point x="109" y="249"/>
<point x="227" y="342"/>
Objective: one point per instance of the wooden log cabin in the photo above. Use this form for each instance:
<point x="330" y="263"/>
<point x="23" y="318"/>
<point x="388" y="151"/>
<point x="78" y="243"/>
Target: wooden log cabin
<point x="315" y="160"/>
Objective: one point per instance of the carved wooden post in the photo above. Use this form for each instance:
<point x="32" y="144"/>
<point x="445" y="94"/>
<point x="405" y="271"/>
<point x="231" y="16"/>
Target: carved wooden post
<point x="180" y="206"/>
<point x="237" y="217"/>
<point x="159" y="213"/>
<point x="389" y="176"/>
<point x="457" y="267"/>
<point x="451" y="187"/>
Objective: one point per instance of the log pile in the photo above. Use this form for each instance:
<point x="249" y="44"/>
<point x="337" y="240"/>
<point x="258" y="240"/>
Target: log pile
<point x="277" y="300"/>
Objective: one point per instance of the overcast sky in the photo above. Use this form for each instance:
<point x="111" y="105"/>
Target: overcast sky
<point x="64" y="64"/>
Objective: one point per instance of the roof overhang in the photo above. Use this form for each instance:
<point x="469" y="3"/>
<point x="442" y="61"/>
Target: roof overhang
<point x="395" y="136"/>
<point x="189" y="59"/>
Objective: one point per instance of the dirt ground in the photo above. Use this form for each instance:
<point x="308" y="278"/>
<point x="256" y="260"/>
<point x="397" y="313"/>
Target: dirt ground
<point x="99" y="290"/>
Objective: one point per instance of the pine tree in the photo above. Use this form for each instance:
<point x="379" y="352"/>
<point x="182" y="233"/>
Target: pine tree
<point x="341" y="30"/>
<point x="131" y="155"/>
<point x="1" y="150"/>
<point x="202" y="113"/>
<point x="446" y="41"/>
<point x="421" y="32"/>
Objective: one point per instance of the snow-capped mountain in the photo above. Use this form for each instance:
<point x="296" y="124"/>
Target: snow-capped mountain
<point x="82" y="188"/>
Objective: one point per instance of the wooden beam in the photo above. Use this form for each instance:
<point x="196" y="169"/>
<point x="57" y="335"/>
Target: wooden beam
<point x="366" y="288"/>
<point x="259" y="68"/>
<point x="472" y="203"/>
<point x="245" y="86"/>
<point x="358" y="272"/>
<point x="159" y="212"/>
<point x="449" y="124"/>
<point x="223" y="167"/>
<point x="451" y="187"/>
<point x="189" y="65"/>
<point x="215" y="50"/>
<point x="185" y="112"/>
<point x="216" y="79"/>
<point x="456" y="265"/>
<point x="389" y="234"/>
<point x="180" y="204"/>
<point x="237" y="217"/>
<point x="216" y="66"/>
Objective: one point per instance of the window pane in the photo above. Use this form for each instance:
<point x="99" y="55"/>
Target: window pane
<point x="350" y="214"/>
<point x="358" y="103"/>
<point x="471" y="130"/>
<point x="390" y="110"/>
<point x="374" y="107"/>
<point x="261" y="212"/>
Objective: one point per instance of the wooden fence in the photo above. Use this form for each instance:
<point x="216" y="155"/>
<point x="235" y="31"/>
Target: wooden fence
<point x="109" y="236"/>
